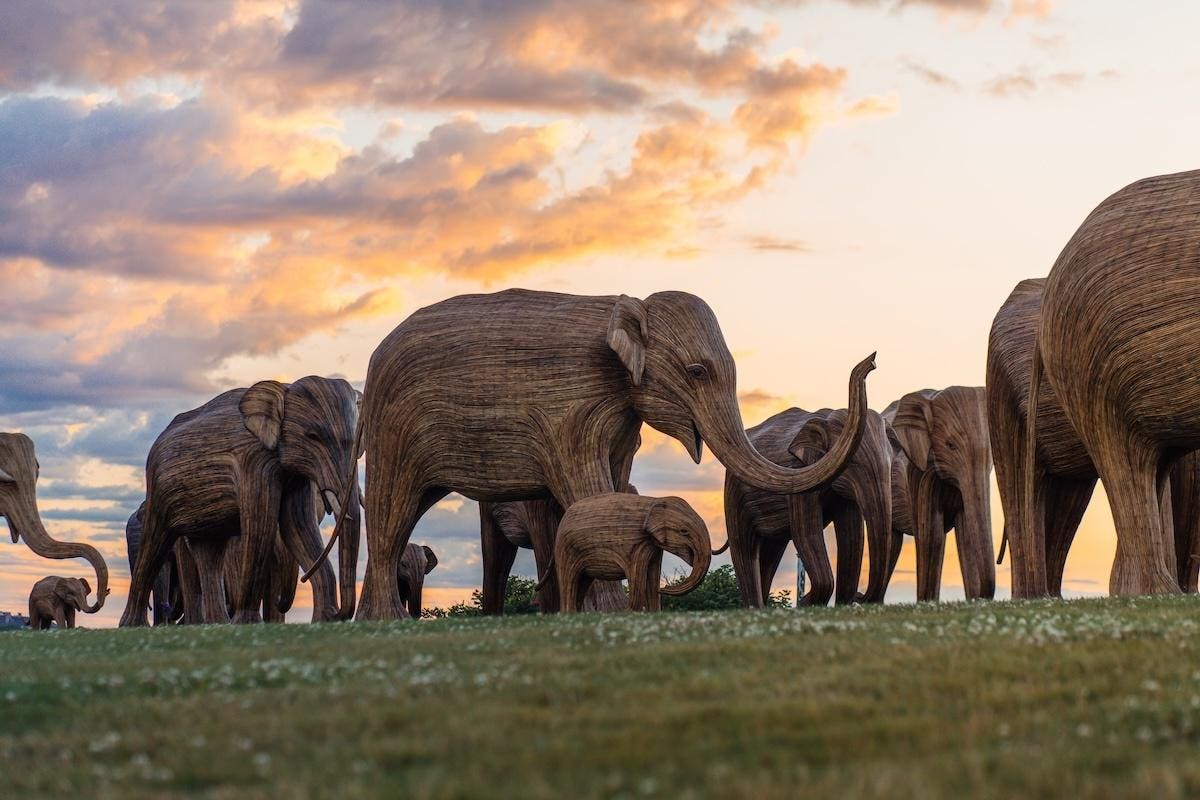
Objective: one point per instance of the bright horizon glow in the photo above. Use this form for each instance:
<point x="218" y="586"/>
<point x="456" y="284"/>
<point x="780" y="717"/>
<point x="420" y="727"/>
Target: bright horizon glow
<point x="260" y="190"/>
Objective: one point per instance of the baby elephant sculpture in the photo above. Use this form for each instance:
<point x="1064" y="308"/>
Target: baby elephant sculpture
<point x="417" y="562"/>
<point x="616" y="535"/>
<point x="56" y="599"/>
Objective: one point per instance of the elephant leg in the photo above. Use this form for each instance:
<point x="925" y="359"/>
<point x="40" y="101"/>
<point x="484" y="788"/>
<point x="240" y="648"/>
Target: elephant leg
<point x="743" y="541"/>
<point x="1129" y="470"/>
<point x="209" y="557"/>
<point x="157" y="541"/>
<point x="930" y="535"/>
<point x="259" y="508"/>
<point x="1066" y="502"/>
<point x="808" y="534"/>
<point x="848" y="527"/>
<point x="159" y="595"/>
<point x="572" y="589"/>
<point x="499" y="554"/>
<point x="1028" y="558"/>
<point x="391" y="517"/>
<point x="652" y="597"/>
<point x="60" y="616"/>
<point x="770" y="553"/>
<point x="301" y="537"/>
<point x="70" y="614"/>
<point x="1185" y="510"/>
<point x="190" y="596"/>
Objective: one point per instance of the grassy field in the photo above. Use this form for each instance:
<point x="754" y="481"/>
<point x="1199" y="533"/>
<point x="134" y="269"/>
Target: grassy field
<point x="1093" y="698"/>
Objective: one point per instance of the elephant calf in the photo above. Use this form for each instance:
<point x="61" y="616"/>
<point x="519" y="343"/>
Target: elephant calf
<point x="417" y="562"/>
<point x="615" y="535"/>
<point x="55" y="599"/>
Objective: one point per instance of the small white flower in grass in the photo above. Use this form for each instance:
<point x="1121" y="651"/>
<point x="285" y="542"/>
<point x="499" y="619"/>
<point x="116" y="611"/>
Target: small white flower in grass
<point x="1083" y="730"/>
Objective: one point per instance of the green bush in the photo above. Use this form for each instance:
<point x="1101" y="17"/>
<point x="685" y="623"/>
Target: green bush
<point x="520" y="597"/>
<point x="718" y="590"/>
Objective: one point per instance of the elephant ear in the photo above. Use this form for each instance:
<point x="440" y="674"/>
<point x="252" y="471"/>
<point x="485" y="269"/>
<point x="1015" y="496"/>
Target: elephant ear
<point x="262" y="411"/>
<point x="627" y="335"/>
<point x="657" y="524"/>
<point x="911" y="425"/>
<point x="812" y="440"/>
<point x="64" y="591"/>
<point x="430" y="559"/>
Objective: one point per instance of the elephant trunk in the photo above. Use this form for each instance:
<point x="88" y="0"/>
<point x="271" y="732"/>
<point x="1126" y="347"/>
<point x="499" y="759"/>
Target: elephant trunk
<point x="877" y="513"/>
<point x="40" y="542"/>
<point x="414" y="600"/>
<point x="725" y="433"/>
<point x="348" y="543"/>
<point x="699" y="558"/>
<point x="973" y="535"/>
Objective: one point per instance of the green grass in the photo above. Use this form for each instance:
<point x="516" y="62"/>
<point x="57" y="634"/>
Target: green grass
<point x="1093" y="698"/>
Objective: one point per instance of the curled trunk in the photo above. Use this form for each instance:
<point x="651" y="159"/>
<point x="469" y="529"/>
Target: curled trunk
<point x="725" y="433"/>
<point x="40" y="542"/>
<point x="699" y="559"/>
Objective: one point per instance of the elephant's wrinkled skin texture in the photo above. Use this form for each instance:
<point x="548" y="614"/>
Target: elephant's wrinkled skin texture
<point x="1118" y="343"/>
<point x="617" y="535"/>
<point x="56" y="600"/>
<point x="18" y="505"/>
<point x="238" y="471"/>
<point x="417" y="562"/>
<point x="1060" y="471"/>
<point x="760" y="524"/>
<point x="524" y="395"/>
<point x="940" y="481"/>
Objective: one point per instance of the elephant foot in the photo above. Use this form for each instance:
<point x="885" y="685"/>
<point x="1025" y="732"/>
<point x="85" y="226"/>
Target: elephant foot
<point x="1132" y="577"/>
<point x="370" y="608"/>
<point x="247" y="617"/>
<point x="133" y="619"/>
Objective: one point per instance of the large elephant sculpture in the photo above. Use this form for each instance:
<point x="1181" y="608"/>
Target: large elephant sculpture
<point x="941" y="481"/>
<point x="166" y="599"/>
<point x="55" y="599"/>
<point x="19" y="471"/>
<point x="618" y="535"/>
<point x="1063" y="476"/>
<point x="418" y="561"/>
<point x="1118" y="342"/>
<point x="239" y="470"/>
<point x="523" y="395"/>
<point x="760" y="524"/>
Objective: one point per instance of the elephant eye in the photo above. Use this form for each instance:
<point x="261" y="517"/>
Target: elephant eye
<point x="698" y="371"/>
<point x="314" y="435"/>
<point x="950" y="444"/>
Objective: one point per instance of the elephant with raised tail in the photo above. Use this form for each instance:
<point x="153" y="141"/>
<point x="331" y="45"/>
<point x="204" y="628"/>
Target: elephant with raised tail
<point x="760" y="524"/>
<point x="1119" y="346"/>
<point x="239" y="471"/>
<point x="55" y="599"/>
<point x="19" y="471"/>
<point x="617" y="535"/>
<point x="523" y="395"/>
<point x="941" y="481"/>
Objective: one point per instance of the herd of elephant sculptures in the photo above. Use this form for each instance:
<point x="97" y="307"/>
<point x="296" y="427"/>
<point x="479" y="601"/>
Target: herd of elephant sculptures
<point x="532" y="403"/>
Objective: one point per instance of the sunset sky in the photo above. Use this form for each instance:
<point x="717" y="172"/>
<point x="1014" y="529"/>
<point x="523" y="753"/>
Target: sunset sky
<point x="195" y="196"/>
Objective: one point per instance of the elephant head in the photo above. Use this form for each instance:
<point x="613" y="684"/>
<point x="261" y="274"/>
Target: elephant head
<point x="685" y="385"/>
<point x="676" y="528"/>
<point x="310" y="426"/>
<point x="946" y="432"/>
<point x="417" y="562"/>
<point x="867" y="480"/>
<point x="73" y="593"/>
<point x="18" y="504"/>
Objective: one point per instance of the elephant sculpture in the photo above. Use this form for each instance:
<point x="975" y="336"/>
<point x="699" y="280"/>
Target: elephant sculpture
<point x="19" y="471"/>
<point x="417" y="562"/>
<point x="524" y="395"/>
<point x="166" y="598"/>
<point x="1063" y="476"/>
<point x="941" y="480"/>
<point x="760" y="524"/>
<point x="531" y="524"/>
<point x="617" y="535"/>
<point x="239" y="470"/>
<point x="1118" y="336"/>
<point x="55" y="599"/>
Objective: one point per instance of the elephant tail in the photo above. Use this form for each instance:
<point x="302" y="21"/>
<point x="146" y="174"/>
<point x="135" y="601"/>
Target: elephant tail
<point x="722" y="548"/>
<point x="541" y="584"/>
<point x="1003" y="546"/>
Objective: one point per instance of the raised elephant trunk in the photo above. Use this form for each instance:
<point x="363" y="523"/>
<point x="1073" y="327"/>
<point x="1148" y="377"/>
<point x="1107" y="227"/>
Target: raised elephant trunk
<point x="40" y="542"/>
<point x="700" y="557"/>
<point x="725" y="433"/>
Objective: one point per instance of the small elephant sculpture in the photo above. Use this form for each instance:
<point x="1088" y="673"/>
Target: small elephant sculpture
<point x="55" y="599"/>
<point x="417" y="562"/>
<point x="616" y="535"/>
<point x="941" y="480"/>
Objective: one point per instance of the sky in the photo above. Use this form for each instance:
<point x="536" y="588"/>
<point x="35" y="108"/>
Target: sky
<point x="195" y="196"/>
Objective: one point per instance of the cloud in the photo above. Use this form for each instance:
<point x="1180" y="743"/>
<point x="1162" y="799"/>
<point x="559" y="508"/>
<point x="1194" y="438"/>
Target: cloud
<point x="775" y="243"/>
<point x="930" y="75"/>
<point x="1025" y="81"/>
